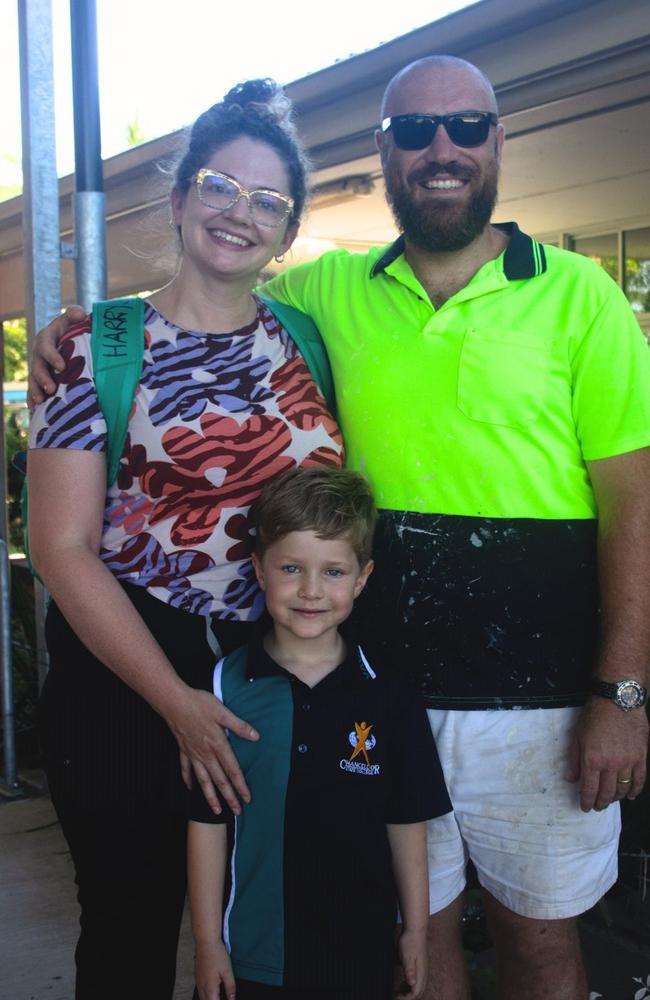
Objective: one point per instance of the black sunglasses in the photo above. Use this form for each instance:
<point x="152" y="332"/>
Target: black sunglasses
<point x="464" y="128"/>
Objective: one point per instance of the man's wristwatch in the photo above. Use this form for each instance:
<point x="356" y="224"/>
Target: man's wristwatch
<point x="626" y="694"/>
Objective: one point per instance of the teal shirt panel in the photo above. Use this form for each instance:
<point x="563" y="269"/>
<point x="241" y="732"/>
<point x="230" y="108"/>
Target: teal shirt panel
<point x="257" y="868"/>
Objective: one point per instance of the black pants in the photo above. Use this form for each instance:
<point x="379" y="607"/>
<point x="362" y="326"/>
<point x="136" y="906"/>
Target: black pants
<point x="114" y="777"/>
<point x="130" y="874"/>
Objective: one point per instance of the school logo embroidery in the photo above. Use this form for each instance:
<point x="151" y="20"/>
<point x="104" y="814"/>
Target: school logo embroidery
<point x="362" y="742"/>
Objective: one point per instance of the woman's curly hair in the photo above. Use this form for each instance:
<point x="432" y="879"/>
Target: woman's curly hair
<point x="260" y="110"/>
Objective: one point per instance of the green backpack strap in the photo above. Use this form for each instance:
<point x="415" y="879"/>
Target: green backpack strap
<point x="305" y="335"/>
<point x="117" y="345"/>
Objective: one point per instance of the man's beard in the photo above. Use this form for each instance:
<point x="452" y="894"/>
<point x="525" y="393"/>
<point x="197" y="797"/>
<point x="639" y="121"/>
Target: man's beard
<point x="435" y="226"/>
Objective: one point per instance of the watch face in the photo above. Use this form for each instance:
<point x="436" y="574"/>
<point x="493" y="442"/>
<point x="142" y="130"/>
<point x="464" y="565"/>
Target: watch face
<point x="629" y="694"/>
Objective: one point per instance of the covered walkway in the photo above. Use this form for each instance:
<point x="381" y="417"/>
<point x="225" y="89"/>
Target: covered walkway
<point x="39" y="913"/>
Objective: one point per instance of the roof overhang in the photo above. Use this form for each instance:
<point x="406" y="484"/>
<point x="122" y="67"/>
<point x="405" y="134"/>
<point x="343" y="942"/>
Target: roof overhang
<point x="573" y="84"/>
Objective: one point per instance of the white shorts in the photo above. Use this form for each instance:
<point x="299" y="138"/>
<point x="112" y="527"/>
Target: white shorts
<point x="516" y="816"/>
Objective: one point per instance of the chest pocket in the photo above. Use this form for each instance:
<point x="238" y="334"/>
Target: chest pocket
<point x="503" y="376"/>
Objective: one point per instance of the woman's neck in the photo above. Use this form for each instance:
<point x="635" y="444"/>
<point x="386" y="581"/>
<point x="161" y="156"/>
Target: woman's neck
<point x="211" y="306"/>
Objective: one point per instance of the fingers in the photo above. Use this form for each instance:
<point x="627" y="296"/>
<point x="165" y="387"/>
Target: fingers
<point x="589" y="785"/>
<point x="45" y="356"/>
<point x="209" y="991"/>
<point x="612" y="754"/>
<point x="224" y="772"/>
<point x="628" y="786"/>
<point x="40" y="384"/>
<point x="403" y="994"/>
<point x="638" y="780"/>
<point x="75" y="314"/>
<point x="186" y="770"/>
<point x="198" y="722"/>
<point x="213" y="973"/>
<point x="410" y="974"/>
<point x="599" y="789"/>
<point x="227" y="775"/>
<point x="606" y="794"/>
<point x="229" y="986"/>
<point x="207" y="787"/>
<point x="235" y="724"/>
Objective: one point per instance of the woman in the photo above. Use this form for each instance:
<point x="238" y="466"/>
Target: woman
<point x="138" y="571"/>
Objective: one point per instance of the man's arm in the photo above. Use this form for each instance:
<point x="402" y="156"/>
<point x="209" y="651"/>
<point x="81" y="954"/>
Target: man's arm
<point x="206" y="866"/>
<point x="611" y="744"/>
<point x="408" y="842"/>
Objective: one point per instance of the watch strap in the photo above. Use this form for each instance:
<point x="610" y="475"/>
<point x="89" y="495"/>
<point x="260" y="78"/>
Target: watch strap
<point x="604" y="688"/>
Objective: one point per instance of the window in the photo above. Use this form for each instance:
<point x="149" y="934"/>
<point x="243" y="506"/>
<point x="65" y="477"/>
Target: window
<point x="603" y="249"/>
<point x="637" y="269"/>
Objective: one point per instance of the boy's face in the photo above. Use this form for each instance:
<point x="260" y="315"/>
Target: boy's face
<point x="310" y="583"/>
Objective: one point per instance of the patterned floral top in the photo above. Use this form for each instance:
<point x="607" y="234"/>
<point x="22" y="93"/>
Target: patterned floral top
<point x="214" y="417"/>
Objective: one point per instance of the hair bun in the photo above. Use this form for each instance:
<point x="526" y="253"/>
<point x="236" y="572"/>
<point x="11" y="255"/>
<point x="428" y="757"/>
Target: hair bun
<point x="265" y="97"/>
<point x="251" y="91"/>
<point x="259" y="110"/>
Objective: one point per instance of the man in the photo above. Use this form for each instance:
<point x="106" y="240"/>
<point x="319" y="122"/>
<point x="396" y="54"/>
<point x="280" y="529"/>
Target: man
<point x="497" y="394"/>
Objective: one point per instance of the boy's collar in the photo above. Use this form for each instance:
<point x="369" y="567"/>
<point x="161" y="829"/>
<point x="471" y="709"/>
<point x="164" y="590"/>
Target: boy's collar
<point x="354" y="666"/>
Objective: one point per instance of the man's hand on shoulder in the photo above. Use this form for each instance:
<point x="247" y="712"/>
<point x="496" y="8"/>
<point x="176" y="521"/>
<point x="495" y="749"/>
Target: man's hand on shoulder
<point x="608" y="754"/>
<point x="45" y="356"/>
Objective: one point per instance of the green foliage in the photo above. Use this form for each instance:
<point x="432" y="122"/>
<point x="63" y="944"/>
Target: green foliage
<point x="15" y="440"/>
<point x="609" y="264"/>
<point x="637" y="283"/>
<point x="15" y="344"/>
<point x="134" y="133"/>
<point x="8" y="191"/>
<point x="10" y="170"/>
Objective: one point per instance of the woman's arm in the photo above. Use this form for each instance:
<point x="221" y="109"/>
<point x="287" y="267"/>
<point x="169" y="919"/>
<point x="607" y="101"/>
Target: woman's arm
<point x="206" y="866"/>
<point x="408" y="842"/>
<point x="66" y="507"/>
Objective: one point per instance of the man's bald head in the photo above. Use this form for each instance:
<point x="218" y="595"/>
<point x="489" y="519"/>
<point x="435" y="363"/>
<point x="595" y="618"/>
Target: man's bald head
<point x="442" y="193"/>
<point x="438" y="79"/>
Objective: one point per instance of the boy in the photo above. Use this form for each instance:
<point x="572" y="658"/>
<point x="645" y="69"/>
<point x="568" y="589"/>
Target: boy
<point x="343" y="778"/>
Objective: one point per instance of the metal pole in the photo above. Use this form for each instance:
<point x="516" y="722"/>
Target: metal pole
<point x="4" y="525"/>
<point x="89" y="201"/>
<point x="8" y="721"/>
<point x="40" y="201"/>
<point x="7" y="695"/>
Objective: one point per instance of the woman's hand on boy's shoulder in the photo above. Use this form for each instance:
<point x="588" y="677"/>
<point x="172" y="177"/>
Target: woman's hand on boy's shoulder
<point x="212" y="969"/>
<point x="198" y="721"/>
<point x="412" y="947"/>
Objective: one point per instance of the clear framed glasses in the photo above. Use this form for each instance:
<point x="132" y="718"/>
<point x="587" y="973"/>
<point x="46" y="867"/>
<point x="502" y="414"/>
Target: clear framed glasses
<point x="466" y="129"/>
<point x="220" y="192"/>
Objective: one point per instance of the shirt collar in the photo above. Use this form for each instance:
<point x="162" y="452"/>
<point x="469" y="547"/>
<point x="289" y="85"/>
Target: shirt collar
<point x="354" y="668"/>
<point x="524" y="257"/>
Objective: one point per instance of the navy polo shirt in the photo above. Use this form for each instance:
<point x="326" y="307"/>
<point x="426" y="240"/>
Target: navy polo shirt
<point x="313" y="901"/>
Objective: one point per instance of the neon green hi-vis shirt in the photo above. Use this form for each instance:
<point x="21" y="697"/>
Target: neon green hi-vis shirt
<point x="491" y="404"/>
<point x="479" y="416"/>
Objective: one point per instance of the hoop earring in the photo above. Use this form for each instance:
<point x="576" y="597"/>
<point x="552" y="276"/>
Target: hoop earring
<point x="280" y="259"/>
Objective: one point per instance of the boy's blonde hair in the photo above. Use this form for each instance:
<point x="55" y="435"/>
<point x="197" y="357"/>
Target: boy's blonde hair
<point x="330" y="502"/>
